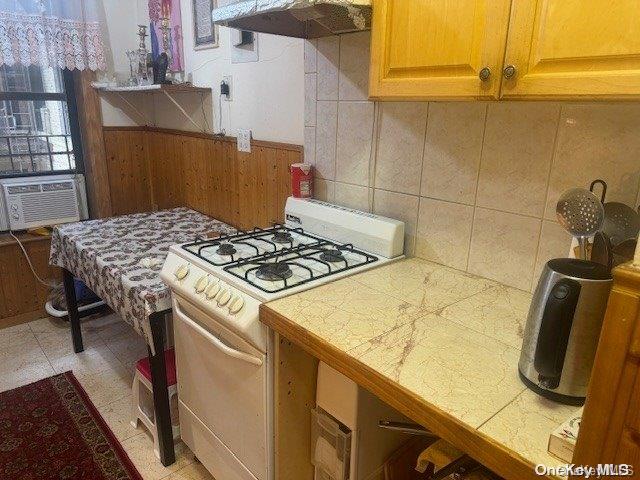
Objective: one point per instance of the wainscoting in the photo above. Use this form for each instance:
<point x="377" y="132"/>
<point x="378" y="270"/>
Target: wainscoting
<point x="151" y="168"/>
<point x="22" y="298"/>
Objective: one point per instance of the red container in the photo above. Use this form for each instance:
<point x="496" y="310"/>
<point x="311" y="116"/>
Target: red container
<point x="301" y="180"/>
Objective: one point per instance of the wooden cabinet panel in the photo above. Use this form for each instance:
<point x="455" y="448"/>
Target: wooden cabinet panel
<point x="574" y="48"/>
<point x="436" y="48"/>
<point x="610" y="427"/>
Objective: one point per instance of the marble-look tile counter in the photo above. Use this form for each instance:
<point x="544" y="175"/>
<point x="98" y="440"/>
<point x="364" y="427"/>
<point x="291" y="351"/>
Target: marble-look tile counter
<point x="439" y="345"/>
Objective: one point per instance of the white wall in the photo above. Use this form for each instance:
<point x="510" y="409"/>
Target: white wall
<point x="268" y="95"/>
<point x="122" y="19"/>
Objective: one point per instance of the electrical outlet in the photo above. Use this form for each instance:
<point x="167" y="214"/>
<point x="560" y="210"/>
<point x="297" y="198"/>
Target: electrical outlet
<point x="244" y="140"/>
<point x="228" y="79"/>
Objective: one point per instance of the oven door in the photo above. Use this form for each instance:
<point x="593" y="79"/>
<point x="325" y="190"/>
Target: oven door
<point x="223" y="381"/>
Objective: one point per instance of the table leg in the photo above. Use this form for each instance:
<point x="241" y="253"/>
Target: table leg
<point x="160" y="390"/>
<point x="72" y="310"/>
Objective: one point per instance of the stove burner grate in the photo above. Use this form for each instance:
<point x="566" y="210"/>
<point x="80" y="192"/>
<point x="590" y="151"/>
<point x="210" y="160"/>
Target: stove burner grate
<point x="282" y="237"/>
<point x="226" y="249"/>
<point x="272" y="272"/>
<point x="332" y="256"/>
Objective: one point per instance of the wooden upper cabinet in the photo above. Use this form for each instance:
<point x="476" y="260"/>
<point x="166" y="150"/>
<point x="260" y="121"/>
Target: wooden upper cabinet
<point x="573" y="49"/>
<point x="437" y="48"/>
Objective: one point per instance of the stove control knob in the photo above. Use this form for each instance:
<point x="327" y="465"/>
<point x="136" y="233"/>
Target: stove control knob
<point x="181" y="272"/>
<point x="236" y="305"/>
<point x="223" y="297"/>
<point x="201" y="284"/>
<point x="212" y="291"/>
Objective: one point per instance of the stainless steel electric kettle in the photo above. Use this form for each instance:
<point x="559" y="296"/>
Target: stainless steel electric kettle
<point x="563" y="328"/>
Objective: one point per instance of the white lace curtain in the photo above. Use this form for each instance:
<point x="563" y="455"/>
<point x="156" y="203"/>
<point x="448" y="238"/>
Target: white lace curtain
<point x="52" y="33"/>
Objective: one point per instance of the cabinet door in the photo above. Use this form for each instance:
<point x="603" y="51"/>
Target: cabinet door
<point x="574" y="49"/>
<point x="432" y="49"/>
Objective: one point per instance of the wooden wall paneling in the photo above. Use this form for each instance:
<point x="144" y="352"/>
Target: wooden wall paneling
<point x="22" y="297"/>
<point x="165" y="158"/>
<point x="201" y="171"/>
<point x="93" y="147"/>
<point x="271" y="187"/>
<point x="128" y="172"/>
<point x="214" y="161"/>
<point x="230" y="185"/>
<point x="247" y="165"/>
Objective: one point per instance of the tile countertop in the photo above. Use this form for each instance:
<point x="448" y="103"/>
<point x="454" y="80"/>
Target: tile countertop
<point x="448" y="338"/>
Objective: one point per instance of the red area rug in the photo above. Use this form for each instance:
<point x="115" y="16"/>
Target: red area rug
<point x="51" y="430"/>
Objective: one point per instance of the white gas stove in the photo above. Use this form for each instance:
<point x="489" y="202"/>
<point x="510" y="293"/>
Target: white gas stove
<point x="223" y="352"/>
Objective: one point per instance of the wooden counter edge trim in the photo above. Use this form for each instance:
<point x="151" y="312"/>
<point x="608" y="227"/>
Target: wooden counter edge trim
<point x="486" y="451"/>
<point x="208" y="136"/>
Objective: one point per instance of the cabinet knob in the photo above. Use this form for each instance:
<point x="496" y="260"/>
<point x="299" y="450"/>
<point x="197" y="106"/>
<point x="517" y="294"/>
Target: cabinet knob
<point x="484" y="74"/>
<point x="509" y="71"/>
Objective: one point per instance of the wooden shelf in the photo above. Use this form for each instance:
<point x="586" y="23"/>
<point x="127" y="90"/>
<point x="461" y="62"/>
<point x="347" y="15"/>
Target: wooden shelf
<point x="177" y="88"/>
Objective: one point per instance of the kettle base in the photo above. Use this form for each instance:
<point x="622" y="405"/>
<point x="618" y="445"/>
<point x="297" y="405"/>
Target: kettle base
<point x="556" y="397"/>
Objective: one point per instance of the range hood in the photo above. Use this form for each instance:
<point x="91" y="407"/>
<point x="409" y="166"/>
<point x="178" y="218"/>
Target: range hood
<point x="296" y="18"/>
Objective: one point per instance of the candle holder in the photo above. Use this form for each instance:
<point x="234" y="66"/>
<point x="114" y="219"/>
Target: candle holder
<point x="144" y="77"/>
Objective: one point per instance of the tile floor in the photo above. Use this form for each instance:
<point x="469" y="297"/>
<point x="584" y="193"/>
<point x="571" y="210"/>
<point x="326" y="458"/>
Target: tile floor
<point x="42" y="348"/>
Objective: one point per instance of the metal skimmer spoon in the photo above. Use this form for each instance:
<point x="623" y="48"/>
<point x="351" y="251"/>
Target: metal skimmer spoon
<point x="581" y="213"/>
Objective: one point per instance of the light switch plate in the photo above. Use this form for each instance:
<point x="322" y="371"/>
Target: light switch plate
<point x="244" y="140"/>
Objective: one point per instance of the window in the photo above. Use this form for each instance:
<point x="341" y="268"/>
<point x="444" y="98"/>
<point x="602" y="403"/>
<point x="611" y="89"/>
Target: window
<point x="39" y="131"/>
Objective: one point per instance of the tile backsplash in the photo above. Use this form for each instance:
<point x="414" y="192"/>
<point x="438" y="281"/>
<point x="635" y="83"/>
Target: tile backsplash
<point x="475" y="182"/>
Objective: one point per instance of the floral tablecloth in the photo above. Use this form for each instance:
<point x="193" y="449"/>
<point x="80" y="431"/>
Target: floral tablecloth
<point x="120" y="258"/>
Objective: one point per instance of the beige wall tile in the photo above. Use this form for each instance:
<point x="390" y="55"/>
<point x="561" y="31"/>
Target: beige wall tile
<point x="354" y="66"/>
<point x="503" y="247"/>
<point x="310" y="56"/>
<point x="326" y="134"/>
<point x="328" y="60"/>
<point x="517" y="153"/>
<point x="444" y="232"/>
<point x="597" y="141"/>
<point x="452" y="151"/>
<point x="310" y="145"/>
<point x="400" y="148"/>
<point x="555" y="242"/>
<point x="323" y="190"/>
<point x="400" y="207"/>
<point x="352" y="196"/>
<point x="310" y="99"/>
<point x="355" y="130"/>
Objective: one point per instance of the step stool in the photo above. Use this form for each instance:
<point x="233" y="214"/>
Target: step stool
<point x="142" y="402"/>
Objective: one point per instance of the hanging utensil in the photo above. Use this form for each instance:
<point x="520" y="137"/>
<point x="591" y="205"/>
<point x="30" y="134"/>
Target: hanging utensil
<point x="626" y="250"/>
<point x="621" y="222"/>
<point x="601" y="251"/>
<point x="603" y="184"/>
<point x="581" y="213"/>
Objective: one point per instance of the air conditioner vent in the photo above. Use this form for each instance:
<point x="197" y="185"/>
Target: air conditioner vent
<point x="40" y="207"/>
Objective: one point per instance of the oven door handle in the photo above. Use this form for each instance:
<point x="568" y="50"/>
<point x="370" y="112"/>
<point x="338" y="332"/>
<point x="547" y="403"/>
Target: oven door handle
<point x="215" y="341"/>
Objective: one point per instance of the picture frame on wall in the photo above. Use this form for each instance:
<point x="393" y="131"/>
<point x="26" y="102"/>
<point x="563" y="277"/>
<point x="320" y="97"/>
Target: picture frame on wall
<point x="205" y="33"/>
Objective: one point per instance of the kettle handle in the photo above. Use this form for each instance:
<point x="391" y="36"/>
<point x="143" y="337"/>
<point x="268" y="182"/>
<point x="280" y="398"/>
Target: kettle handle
<point x="555" y="329"/>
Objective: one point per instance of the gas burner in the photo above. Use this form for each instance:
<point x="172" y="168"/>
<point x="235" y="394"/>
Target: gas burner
<point x="332" y="256"/>
<point x="226" y="249"/>
<point x="272" y="272"/>
<point x="282" y="237"/>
